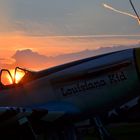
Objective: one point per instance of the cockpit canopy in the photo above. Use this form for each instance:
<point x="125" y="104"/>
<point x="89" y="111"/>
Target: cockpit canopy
<point x="17" y="76"/>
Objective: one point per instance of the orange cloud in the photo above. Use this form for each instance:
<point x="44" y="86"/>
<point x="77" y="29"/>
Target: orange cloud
<point x="56" y="45"/>
<point x="33" y="60"/>
<point x="51" y="46"/>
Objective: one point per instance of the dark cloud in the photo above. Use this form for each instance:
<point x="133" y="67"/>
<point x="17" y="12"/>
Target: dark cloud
<point x="33" y="60"/>
<point x="29" y="59"/>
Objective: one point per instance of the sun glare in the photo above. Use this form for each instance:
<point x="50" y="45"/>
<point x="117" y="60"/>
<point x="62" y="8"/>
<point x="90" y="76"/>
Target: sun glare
<point x="17" y="76"/>
<point x="10" y="77"/>
<point x="6" y="79"/>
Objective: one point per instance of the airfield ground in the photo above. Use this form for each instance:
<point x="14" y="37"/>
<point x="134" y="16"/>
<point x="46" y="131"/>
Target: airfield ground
<point x="119" y="131"/>
<point x="122" y="131"/>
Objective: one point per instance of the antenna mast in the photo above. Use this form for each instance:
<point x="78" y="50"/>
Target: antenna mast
<point x="134" y="10"/>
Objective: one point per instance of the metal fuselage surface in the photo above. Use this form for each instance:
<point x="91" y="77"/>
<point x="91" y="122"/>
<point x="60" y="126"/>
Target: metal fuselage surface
<point x="89" y="86"/>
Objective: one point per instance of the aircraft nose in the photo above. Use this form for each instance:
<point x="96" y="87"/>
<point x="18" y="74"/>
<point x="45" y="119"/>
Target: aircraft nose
<point x="137" y="53"/>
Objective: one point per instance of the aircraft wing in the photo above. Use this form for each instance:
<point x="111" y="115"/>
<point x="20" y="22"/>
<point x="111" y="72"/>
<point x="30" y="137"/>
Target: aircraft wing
<point x="50" y="113"/>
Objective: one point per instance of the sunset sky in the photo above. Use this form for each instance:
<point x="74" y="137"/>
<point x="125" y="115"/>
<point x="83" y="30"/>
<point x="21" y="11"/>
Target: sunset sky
<point x="49" y="28"/>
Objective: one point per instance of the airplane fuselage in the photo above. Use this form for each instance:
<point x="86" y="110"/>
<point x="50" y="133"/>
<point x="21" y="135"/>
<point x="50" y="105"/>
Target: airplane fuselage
<point x="89" y="86"/>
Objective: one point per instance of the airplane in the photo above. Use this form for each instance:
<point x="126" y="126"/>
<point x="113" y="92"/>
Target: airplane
<point x="63" y="95"/>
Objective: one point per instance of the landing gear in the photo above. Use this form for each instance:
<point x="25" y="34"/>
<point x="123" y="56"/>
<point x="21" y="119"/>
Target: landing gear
<point x="65" y="133"/>
<point x="102" y="131"/>
<point x="26" y="131"/>
<point x="68" y="132"/>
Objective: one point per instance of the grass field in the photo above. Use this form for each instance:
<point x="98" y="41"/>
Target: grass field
<point x="122" y="131"/>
